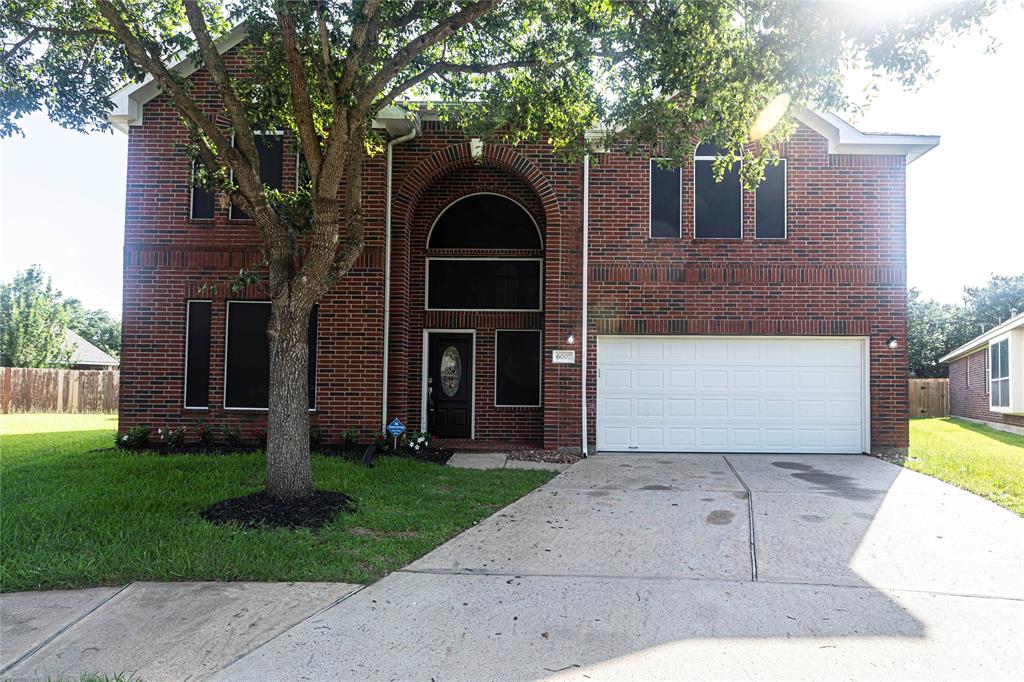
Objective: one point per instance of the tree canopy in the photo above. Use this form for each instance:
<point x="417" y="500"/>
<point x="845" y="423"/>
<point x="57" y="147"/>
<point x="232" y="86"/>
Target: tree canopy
<point x="34" y="316"/>
<point x="934" y="328"/>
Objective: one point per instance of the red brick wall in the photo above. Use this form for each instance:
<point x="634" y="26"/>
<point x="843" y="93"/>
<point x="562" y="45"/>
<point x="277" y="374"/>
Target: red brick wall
<point x="972" y="401"/>
<point x="842" y="270"/>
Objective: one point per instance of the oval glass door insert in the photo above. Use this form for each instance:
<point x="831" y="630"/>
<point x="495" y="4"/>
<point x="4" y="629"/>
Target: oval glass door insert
<point x="451" y="371"/>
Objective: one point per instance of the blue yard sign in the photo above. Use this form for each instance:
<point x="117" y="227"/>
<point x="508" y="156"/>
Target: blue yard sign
<point x="396" y="428"/>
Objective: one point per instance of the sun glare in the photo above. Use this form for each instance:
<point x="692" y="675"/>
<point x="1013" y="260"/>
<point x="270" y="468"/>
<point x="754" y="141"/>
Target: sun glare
<point x="769" y="116"/>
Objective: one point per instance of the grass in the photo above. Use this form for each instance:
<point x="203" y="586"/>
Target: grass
<point x="977" y="458"/>
<point x="72" y="516"/>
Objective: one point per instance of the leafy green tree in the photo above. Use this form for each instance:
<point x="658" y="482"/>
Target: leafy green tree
<point x="934" y="328"/>
<point x="995" y="302"/>
<point x="33" y="319"/>
<point x="662" y="71"/>
<point x="95" y="326"/>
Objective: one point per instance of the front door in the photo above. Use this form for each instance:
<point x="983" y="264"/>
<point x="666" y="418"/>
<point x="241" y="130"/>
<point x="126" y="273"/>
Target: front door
<point x="450" y="385"/>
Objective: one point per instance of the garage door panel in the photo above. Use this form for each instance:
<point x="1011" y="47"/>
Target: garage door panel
<point x="736" y="394"/>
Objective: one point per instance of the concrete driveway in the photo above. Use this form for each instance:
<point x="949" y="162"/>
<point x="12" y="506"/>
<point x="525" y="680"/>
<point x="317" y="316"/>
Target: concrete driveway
<point x="645" y="567"/>
<point x="639" y="567"/>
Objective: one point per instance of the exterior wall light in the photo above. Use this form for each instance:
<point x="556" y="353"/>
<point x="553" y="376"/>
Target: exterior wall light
<point x="892" y="343"/>
<point x="571" y="340"/>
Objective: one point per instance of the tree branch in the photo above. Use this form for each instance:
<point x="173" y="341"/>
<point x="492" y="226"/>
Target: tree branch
<point x="405" y="56"/>
<point x="447" y="67"/>
<point x="300" y="96"/>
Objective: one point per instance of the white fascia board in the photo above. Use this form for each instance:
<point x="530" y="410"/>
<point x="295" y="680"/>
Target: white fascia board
<point x="981" y="341"/>
<point x="130" y="100"/>
<point x="843" y="138"/>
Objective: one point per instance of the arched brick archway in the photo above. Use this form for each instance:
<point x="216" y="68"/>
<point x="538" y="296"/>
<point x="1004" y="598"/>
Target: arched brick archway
<point x="458" y="156"/>
<point x="413" y="198"/>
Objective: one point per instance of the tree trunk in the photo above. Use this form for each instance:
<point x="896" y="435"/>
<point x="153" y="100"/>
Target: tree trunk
<point x="288" y="470"/>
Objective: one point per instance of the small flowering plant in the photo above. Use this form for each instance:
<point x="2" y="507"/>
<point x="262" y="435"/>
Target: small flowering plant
<point x="174" y="437"/>
<point x="415" y="442"/>
<point x="134" y="438"/>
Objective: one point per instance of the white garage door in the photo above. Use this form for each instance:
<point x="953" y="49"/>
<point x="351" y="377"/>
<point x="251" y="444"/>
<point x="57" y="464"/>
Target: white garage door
<point x="731" y="394"/>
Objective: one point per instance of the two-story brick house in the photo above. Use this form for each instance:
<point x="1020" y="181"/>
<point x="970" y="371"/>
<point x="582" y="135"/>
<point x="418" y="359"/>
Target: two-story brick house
<point x="698" y="316"/>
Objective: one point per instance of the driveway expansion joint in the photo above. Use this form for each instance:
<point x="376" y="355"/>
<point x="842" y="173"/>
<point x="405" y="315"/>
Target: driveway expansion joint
<point x="750" y="519"/>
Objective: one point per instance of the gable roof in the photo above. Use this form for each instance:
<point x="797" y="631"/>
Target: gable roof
<point x="842" y="137"/>
<point x="1017" y="321"/>
<point x="84" y="353"/>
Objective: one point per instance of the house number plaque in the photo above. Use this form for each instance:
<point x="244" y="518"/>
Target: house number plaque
<point x="563" y="357"/>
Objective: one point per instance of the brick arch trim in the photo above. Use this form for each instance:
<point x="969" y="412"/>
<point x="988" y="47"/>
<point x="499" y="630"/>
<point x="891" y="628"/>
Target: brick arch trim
<point x="458" y="156"/>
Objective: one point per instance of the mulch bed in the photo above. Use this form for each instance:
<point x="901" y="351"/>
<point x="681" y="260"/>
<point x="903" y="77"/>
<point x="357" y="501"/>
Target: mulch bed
<point x="434" y="455"/>
<point x="551" y="456"/>
<point x="260" y="509"/>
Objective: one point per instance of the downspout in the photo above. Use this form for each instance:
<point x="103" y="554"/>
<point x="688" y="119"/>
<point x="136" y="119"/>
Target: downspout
<point x="387" y="266"/>
<point x="586" y="282"/>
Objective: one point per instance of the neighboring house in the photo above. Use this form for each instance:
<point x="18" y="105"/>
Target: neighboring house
<point x="715" y="318"/>
<point x="84" y="355"/>
<point x="986" y="377"/>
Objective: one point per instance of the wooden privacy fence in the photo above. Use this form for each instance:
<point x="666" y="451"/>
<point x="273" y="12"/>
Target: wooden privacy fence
<point x="929" y="397"/>
<point x="58" y="390"/>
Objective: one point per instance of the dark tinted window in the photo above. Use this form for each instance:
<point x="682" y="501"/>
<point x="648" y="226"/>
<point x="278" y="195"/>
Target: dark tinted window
<point x="771" y="203"/>
<point x="247" y="374"/>
<point x="271" y="152"/>
<point x="717" y="204"/>
<point x="665" y="201"/>
<point x="517" y="368"/>
<point x="505" y="284"/>
<point x="485" y="221"/>
<point x="202" y="199"/>
<point x="197" y="355"/>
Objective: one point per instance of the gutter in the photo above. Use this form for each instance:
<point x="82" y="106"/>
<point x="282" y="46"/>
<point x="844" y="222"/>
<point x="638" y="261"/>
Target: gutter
<point x="586" y="283"/>
<point x="413" y="132"/>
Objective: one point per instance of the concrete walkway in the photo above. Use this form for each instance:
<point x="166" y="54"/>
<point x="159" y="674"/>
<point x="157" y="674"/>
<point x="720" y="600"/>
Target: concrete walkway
<point x="622" y="567"/>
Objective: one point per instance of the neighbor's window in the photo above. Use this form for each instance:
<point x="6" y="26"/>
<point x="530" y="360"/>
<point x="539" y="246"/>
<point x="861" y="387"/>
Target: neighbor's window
<point x="270" y="147"/>
<point x="666" y="193"/>
<point x="202" y="198"/>
<point x="771" y="203"/>
<point x="247" y="356"/>
<point x="517" y="356"/>
<point x="999" y="368"/>
<point x="197" y="355"/>
<point x="484" y="284"/>
<point x="718" y="211"/>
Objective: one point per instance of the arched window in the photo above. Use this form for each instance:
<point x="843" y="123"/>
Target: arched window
<point x="485" y="221"/>
<point x="494" y="282"/>
<point x="718" y="208"/>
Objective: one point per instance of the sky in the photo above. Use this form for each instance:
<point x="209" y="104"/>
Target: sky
<point x="62" y="192"/>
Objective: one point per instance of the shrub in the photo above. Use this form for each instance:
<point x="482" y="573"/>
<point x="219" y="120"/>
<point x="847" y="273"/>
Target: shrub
<point x="134" y="438"/>
<point x="414" y="442"/>
<point x="232" y="435"/>
<point x="174" y="437"/>
<point x="349" y="438"/>
<point x="316" y="436"/>
<point x="205" y="434"/>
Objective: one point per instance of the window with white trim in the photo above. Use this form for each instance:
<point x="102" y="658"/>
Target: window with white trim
<point x="270" y="149"/>
<point x="247" y="356"/>
<point x="666" y="200"/>
<point x="770" y="203"/>
<point x="999" y="373"/>
<point x="717" y="206"/>
<point x="517" y="354"/>
<point x="197" y="355"/>
<point x="202" y="198"/>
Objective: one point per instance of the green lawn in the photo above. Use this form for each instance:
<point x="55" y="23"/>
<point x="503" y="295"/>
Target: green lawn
<point x="72" y="516"/>
<point x="984" y="461"/>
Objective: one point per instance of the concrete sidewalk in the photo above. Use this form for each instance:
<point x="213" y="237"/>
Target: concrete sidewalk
<point x="158" y="631"/>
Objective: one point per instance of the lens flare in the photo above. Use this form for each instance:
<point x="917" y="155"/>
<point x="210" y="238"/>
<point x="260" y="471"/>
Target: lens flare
<point x="769" y="116"/>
